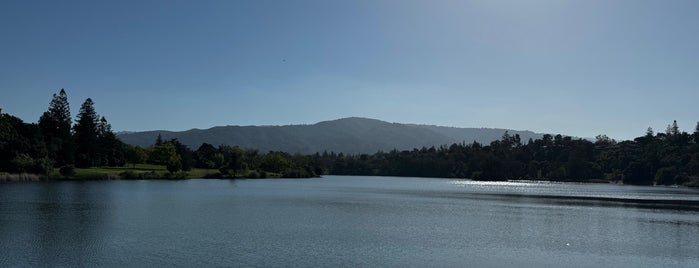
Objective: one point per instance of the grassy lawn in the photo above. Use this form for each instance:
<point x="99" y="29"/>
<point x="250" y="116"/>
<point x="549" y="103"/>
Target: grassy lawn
<point x="105" y="172"/>
<point x="148" y="171"/>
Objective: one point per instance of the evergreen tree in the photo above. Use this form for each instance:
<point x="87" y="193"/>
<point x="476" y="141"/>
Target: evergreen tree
<point x="111" y="149"/>
<point x="104" y="129"/>
<point x="673" y="129"/>
<point x="55" y="127"/>
<point x="86" y="135"/>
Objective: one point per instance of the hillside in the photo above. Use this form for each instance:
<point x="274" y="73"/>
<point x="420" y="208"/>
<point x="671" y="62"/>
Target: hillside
<point x="348" y="135"/>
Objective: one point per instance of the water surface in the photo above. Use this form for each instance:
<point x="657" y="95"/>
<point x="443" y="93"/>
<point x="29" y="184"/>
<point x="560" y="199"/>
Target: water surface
<point x="347" y="221"/>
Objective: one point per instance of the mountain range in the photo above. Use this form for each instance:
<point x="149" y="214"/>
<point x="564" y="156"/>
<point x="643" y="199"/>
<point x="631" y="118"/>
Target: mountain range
<point x="348" y="135"/>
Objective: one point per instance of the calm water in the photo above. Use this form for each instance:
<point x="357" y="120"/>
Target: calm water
<point x="347" y="221"/>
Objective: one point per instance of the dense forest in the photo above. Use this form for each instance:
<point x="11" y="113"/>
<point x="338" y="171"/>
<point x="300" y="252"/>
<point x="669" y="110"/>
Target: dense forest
<point x="55" y="142"/>
<point x="670" y="158"/>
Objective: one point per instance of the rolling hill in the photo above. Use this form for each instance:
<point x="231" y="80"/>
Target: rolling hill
<point x="348" y="135"/>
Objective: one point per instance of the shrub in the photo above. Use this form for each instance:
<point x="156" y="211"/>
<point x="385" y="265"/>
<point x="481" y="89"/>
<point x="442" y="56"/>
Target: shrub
<point x="216" y="175"/>
<point x="175" y="175"/>
<point x="295" y="173"/>
<point x="67" y="170"/>
<point x="25" y="164"/>
<point x="174" y="164"/>
<point x="129" y="175"/>
<point x="253" y="175"/>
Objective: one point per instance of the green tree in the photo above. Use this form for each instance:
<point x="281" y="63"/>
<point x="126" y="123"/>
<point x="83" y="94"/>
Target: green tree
<point x="673" y="129"/>
<point x="235" y="160"/>
<point x="86" y="131"/>
<point x="174" y="163"/>
<point x="160" y="155"/>
<point x="135" y="155"/>
<point x="186" y="154"/>
<point x="55" y="126"/>
<point x="218" y="160"/>
<point x="602" y="139"/>
<point x="204" y="156"/>
<point x="19" y="138"/>
<point x="159" y="140"/>
<point x="232" y="159"/>
<point x="275" y="162"/>
<point x="110" y="149"/>
<point x="8" y="137"/>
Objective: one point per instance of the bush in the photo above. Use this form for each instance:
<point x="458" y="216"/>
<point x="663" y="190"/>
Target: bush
<point x="175" y="175"/>
<point x="216" y="175"/>
<point x="295" y="173"/>
<point x="22" y="163"/>
<point x="174" y="164"/>
<point x="25" y="164"/>
<point x="253" y="175"/>
<point x="42" y="165"/>
<point x="319" y="171"/>
<point x="67" y="170"/>
<point x="129" y="175"/>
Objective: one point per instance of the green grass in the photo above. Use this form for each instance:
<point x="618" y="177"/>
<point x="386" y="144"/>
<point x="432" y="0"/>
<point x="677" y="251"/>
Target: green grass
<point x="113" y="172"/>
<point x="145" y="171"/>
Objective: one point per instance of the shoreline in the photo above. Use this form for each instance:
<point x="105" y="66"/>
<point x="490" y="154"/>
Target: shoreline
<point x="144" y="172"/>
<point x="182" y="175"/>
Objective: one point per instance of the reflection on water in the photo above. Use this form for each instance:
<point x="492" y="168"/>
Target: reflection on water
<point x="46" y="221"/>
<point x="347" y="221"/>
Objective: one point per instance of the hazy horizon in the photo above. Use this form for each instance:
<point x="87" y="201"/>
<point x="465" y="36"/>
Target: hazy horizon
<point x="578" y="68"/>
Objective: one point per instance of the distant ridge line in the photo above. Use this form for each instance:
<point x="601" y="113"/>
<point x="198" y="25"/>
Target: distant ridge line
<point x="346" y="135"/>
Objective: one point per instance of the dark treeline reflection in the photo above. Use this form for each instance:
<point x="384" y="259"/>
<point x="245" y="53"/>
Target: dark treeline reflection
<point x="46" y="224"/>
<point x="663" y="158"/>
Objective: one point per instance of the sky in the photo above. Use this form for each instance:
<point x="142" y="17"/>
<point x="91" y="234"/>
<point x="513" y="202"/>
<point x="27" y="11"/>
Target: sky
<point x="579" y="68"/>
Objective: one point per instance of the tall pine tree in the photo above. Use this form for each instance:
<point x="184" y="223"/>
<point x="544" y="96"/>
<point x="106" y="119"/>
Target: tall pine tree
<point x="55" y="127"/>
<point x="111" y="149"/>
<point x="85" y="130"/>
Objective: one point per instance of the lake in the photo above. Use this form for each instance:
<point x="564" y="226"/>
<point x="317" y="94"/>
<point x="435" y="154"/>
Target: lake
<point x="347" y="221"/>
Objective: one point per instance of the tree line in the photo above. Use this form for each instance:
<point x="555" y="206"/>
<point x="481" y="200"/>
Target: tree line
<point x="669" y="158"/>
<point x="56" y="141"/>
<point x="229" y="161"/>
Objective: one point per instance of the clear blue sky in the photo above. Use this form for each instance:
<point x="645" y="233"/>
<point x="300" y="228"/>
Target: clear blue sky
<point x="574" y="67"/>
